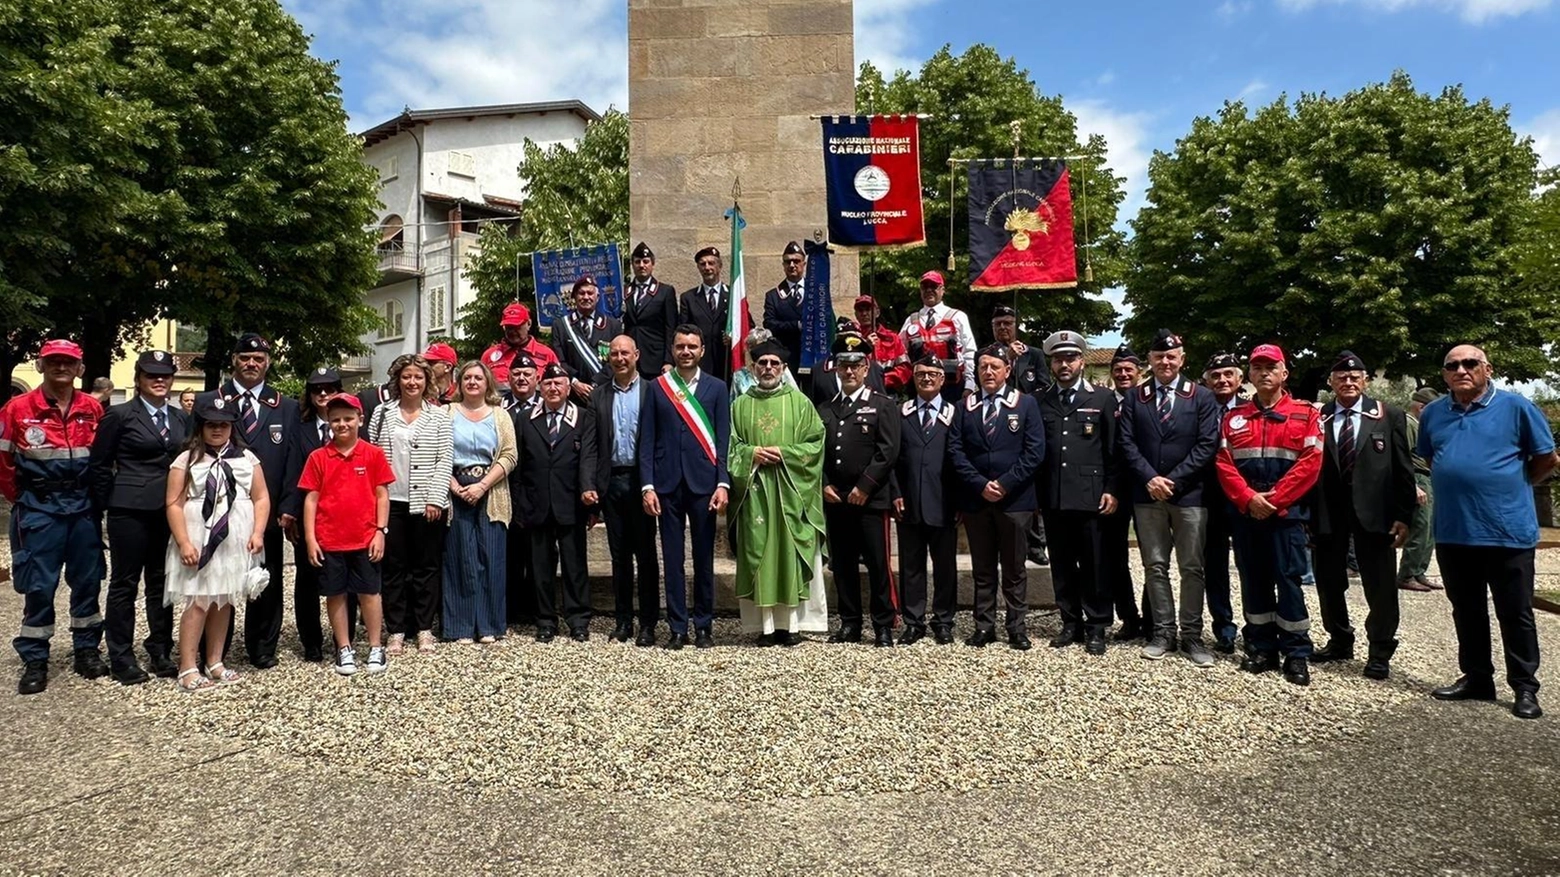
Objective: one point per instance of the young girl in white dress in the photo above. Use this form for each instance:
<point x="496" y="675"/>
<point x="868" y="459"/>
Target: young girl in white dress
<point x="217" y="509"/>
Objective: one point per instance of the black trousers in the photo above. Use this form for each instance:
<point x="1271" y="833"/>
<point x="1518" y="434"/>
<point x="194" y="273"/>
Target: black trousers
<point x="859" y="535"/>
<point x="520" y="582"/>
<point x="550" y="544"/>
<point x="414" y="555"/>
<point x="137" y="544"/>
<point x="1115" y="531"/>
<point x="1378" y="576"/>
<point x="306" y="604"/>
<point x="917" y="542"/>
<point x="998" y="537"/>
<point x="1082" y="592"/>
<point x="631" y="541"/>
<point x="1475" y="573"/>
<point x="1216" y="569"/>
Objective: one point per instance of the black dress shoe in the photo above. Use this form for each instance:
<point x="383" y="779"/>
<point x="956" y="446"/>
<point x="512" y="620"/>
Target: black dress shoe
<point x="787" y="638"/>
<point x="646" y="637"/>
<point x="1259" y="662"/>
<point x="703" y="639"/>
<point x="1377" y="668"/>
<point x="765" y="639"/>
<point x="1019" y="641"/>
<point x="1132" y="628"/>
<point x="1094" y="643"/>
<point x="846" y="634"/>
<point x="1037" y="556"/>
<point x="1334" y="653"/>
<point x="35" y="678"/>
<point x="580" y="634"/>
<point x="1297" y="671"/>
<point x="622" y="633"/>
<point x="981" y="638"/>
<point x="1466" y="688"/>
<point x="89" y="664"/>
<point x="942" y="635"/>
<point x="912" y="635"/>
<point x="130" y="674"/>
<point x="1526" y="706"/>
<point x="1069" y="634"/>
<point x="162" y="666"/>
<point x="883" y="637"/>
<point x="1224" y="644"/>
<point x="675" y="641"/>
<point x="264" y="662"/>
<point x="545" y="634"/>
<point x="314" y="656"/>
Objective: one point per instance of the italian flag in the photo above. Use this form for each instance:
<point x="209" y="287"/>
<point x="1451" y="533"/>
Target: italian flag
<point x="738" y="320"/>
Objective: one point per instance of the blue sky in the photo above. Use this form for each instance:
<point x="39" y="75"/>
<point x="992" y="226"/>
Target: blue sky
<point x="1137" y="72"/>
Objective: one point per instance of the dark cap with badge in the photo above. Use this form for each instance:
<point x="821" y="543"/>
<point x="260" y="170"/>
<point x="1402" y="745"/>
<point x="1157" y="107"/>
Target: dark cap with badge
<point x="1001" y="311"/>
<point x="324" y="376"/>
<point x="770" y="348"/>
<point x="1348" y="362"/>
<point x="249" y="342"/>
<point x="642" y="251"/>
<point x="793" y="249"/>
<point x="996" y="351"/>
<point x="929" y="361"/>
<point x="707" y="251"/>
<point x="554" y="370"/>
<point x="850" y="347"/>
<point x="1125" y="354"/>
<point x="212" y="408"/>
<point x="157" y="363"/>
<point x="1221" y="361"/>
<point x="1164" y="340"/>
<point x="522" y="360"/>
<point x="585" y="280"/>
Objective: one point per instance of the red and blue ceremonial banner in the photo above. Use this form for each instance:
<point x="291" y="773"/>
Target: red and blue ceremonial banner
<point x="872" y="171"/>
<point x="1021" y="225"/>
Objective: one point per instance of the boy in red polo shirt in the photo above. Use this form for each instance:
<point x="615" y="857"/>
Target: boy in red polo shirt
<point x="345" y="517"/>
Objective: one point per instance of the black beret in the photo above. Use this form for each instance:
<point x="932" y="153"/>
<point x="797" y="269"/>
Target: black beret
<point x="1125" y="354"/>
<point x="1003" y="311"/>
<point x="324" y="376"/>
<point x="155" y="362"/>
<point x="930" y="361"/>
<point x="249" y="342"/>
<point x="522" y="360"/>
<point x="1164" y="340"/>
<point x="1348" y="362"/>
<point x="553" y="370"/>
<point x="1222" y="360"/>
<point x="707" y="251"/>
<point x="793" y="249"/>
<point x="996" y="351"/>
<point x="770" y="348"/>
<point x="643" y="251"/>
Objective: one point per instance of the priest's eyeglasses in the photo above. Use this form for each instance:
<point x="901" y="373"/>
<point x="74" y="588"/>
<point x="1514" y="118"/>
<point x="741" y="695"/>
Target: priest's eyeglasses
<point x="769" y="364"/>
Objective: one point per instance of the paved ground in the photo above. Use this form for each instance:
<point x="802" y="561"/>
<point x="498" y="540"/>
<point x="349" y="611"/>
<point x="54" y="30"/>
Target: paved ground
<point x="1205" y="773"/>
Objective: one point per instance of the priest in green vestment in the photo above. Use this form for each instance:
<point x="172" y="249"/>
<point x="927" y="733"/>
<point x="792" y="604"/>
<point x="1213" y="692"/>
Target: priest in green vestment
<point x="776" y="464"/>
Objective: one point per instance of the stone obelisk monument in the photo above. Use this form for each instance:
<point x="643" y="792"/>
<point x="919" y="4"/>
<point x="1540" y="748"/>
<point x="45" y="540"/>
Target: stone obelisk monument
<point x="720" y="92"/>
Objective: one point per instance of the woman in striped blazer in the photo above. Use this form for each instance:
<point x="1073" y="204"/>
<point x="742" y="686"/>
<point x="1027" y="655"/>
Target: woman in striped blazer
<point x="415" y="436"/>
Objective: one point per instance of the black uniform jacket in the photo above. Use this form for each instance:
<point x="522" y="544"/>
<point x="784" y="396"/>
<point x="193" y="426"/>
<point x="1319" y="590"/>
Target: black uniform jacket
<point x="861" y="443"/>
<point x="1080" y="448"/>
<point x="1383" y="489"/>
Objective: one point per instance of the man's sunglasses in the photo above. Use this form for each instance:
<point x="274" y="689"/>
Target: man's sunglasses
<point x="1464" y="364"/>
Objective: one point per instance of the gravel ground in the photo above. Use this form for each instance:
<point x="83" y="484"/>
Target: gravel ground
<point x="527" y="728"/>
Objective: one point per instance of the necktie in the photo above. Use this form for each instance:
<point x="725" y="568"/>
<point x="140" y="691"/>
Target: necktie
<point x="552" y="427"/>
<point x="324" y="433"/>
<point x="251" y="418"/>
<point x="1068" y="396"/>
<point x="931" y="319"/>
<point x="1346" y="449"/>
<point x="989" y="418"/>
<point x="1164" y="404"/>
<point x="639" y="294"/>
<point x="796" y="290"/>
<point x="714" y="299"/>
<point x="926" y="417"/>
<point x="161" y="419"/>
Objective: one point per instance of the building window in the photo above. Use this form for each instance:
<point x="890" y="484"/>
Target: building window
<point x="435" y="309"/>
<point x="463" y="165"/>
<point x="392" y="169"/>
<point x="394" y="325"/>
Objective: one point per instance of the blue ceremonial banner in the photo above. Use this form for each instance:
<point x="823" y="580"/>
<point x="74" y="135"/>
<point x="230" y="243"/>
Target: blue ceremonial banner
<point x="872" y="173"/>
<point x="817" y="307"/>
<point x="556" y="270"/>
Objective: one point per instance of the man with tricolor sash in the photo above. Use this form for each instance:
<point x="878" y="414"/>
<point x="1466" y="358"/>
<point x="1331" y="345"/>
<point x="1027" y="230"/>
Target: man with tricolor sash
<point x="683" y="439"/>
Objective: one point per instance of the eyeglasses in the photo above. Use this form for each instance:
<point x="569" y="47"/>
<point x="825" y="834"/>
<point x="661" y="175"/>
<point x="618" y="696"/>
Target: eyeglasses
<point x="1469" y="365"/>
<point x="795" y="261"/>
<point x="770" y="364"/>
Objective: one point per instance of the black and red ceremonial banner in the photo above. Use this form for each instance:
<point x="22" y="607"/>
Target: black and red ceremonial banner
<point x="872" y="170"/>
<point x="1021" y="225"/>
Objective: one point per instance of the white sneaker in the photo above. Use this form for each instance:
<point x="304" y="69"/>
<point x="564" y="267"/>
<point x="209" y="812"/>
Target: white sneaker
<point x="376" y="660"/>
<point x="346" y="661"/>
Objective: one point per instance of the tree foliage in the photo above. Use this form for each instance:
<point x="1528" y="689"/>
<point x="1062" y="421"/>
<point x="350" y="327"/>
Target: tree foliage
<point x="974" y="98"/>
<point x="180" y="158"/>
<point x="1386" y="221"/>
<point x="576" y="196"/>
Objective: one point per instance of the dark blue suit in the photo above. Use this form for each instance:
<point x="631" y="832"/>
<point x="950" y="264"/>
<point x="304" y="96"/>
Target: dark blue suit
<point x="1007" y="449"/>
<point x="924" y="481"/>
<point x="673" y="463"/>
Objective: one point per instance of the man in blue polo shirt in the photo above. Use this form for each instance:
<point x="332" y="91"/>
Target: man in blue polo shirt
<point x="1485" y="448"/>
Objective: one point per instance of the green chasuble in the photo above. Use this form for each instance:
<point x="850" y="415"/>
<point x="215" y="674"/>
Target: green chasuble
<point x="779" y="507"/>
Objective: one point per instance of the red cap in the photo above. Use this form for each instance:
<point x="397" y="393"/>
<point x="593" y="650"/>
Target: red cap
<point x="865" y="301"/>
<point x="932" y="277"/>
<point x="1270" y="352"/>
<point x="441" y="352"/>
<point x="515" y="315"/>
<point x="344" y="399"/>
<point x="60" y="347"/>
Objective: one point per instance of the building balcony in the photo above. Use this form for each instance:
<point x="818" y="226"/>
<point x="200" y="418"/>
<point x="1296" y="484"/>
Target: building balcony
<point x="396" y="264"/>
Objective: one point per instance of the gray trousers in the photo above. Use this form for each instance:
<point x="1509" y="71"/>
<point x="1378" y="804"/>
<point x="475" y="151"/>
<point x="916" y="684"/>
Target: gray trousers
<point x="1160" y="526"/>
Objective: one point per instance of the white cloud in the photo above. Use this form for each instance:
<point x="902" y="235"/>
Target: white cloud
<point x="1545" y="131"/>
<point x="441" y="53"/>
<point x="1472" y="11"/>
<point x="1253" y="88"/>
<point x="883" y="30"/>
<point x="1230" y="10"/>
<point x="1126" y="141"/>
<point x="1105" y="78"/>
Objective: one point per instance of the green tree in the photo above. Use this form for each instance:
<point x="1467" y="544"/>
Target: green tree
<point x="215" y="181"/>
<point x="1386" y="221"/>
<point x="575" y="196"/>
<point x="974" y="98"/>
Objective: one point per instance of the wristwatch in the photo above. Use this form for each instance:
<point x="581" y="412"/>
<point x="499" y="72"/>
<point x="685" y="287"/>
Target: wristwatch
<point x="384" y="530"/>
